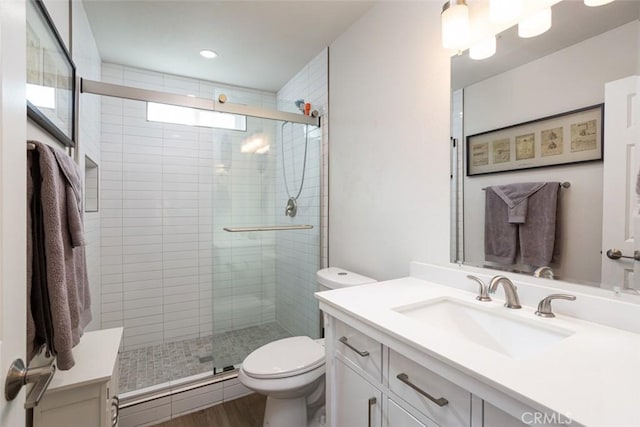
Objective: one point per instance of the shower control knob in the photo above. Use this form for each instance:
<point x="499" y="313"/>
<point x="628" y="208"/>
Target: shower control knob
<point x="292" y="207"/>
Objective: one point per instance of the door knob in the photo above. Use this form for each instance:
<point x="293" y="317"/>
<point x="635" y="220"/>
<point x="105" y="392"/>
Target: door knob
<point x="19" y="375"/>
<point x="617" y="254"/>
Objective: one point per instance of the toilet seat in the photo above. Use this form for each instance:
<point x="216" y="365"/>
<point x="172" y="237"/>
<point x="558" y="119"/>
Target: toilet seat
<point x="284" y="358"/>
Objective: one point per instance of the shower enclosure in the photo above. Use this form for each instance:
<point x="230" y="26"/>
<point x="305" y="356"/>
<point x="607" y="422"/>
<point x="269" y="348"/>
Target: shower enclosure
<point x="195" y="291"/>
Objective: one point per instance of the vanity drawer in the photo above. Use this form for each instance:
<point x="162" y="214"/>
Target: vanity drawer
<point x="412" y="382"/>
<point x="359" y="351"/>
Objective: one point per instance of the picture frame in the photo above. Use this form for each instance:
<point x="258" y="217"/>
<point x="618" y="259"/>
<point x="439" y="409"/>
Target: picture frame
<point x="573" y="137"/>
<point x="51" y="77"/>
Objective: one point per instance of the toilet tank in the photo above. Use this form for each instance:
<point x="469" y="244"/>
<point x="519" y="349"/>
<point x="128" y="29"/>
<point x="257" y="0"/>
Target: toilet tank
<point x="336" y="278"/>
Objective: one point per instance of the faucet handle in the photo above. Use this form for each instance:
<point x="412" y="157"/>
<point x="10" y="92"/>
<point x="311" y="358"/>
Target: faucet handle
<point x="544" y="308"/>
<point x="483" y="294"/>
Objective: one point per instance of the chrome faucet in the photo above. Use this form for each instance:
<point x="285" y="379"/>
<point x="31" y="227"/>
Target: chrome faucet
<point x="482" y="290"/>
<point x="510" y="291"/>
<point x="544" y="308"/>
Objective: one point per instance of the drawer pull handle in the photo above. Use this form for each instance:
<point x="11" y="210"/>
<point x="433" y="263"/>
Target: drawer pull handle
<point x="372" y="401"/>
<point x="440" y="401"/>
<point x="343" y="340"/>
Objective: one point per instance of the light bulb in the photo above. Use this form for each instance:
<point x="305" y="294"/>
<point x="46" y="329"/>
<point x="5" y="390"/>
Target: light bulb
<point x="483" y="49"/>
<point x="502" y="11"/>
<point x="535" y="24"/>
<point x="594" y="3"/>
<point x="455" y="24"/>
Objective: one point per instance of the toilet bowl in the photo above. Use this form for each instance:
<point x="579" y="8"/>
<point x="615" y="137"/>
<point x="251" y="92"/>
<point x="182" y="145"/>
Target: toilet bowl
<point x="290" y="371"/>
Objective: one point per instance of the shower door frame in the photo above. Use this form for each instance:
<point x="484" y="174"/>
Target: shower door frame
<point x="127" y="92"/>
<point x="134" y="398"/>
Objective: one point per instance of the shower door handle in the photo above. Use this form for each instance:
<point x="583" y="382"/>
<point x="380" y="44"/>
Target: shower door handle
<point x="268" y="228"/>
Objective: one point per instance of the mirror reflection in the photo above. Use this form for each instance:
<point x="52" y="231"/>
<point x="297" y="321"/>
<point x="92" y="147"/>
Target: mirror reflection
<point x="570" y="67"/>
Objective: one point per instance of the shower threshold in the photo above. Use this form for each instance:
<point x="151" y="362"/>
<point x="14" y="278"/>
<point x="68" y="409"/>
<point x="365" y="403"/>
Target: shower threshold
<point x="165" y="366"/>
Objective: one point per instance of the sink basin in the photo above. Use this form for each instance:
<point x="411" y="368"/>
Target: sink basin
<point x="489" y="327"/>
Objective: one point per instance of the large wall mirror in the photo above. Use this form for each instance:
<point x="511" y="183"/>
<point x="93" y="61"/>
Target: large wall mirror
<point x="565" y="69"/>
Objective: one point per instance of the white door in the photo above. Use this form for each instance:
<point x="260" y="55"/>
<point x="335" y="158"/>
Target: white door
<point x="12" y="201"/>
<point x="621" y="168"/>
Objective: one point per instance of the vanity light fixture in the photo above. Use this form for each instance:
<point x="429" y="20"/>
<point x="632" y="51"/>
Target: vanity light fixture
<point x="483" y="49"/>
<point x="535" y="24"/>
<point x="208" y="53"/>
<point x="505" y="10"/>
<point x="594" y="3"/>
<point x="474" y="26"/>
<point x="455" y="24"/>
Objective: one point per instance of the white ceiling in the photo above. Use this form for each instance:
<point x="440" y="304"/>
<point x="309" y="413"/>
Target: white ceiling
<point x="261" y="44"/>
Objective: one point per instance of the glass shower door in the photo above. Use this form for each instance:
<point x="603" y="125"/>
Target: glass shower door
<point x="263" y="281"/>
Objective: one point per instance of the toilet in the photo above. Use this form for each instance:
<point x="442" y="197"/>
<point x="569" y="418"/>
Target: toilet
<point x="290" y="371"/>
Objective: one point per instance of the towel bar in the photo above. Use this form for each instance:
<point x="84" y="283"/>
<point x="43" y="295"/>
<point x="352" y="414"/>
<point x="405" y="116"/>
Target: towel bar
<point x="267" y="228"/>
<point x="565" y="184"/>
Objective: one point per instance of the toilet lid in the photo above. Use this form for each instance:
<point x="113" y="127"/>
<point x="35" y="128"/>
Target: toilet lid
<point x="284" y="358"/>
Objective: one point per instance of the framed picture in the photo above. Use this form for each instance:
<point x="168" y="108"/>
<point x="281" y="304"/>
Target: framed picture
<point x="571" y="137"/>
<point x="51" y="76"/>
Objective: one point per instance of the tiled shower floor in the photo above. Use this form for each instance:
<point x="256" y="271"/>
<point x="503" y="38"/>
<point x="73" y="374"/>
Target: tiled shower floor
<point x="148" y="366"/>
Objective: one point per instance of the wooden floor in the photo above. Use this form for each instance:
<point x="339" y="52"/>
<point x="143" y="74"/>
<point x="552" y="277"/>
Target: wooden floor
<point x="247" y="411"/>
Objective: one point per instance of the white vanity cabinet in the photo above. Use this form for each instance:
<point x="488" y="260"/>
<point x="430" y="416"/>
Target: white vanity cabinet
<point x="371" y="385"/>
<point x="85" y="395"/>
<point x="439" y="357"/>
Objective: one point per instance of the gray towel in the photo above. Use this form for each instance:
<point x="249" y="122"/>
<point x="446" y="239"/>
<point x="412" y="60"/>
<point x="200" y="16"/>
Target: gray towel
<point x="39" y="320"/>
<point x="516" y="197"/>
<point x="500" y="236"/>
<point x="31" y="324"/>
<point x="67" y="280"/>
<point x="74" y="195"/>
<point x="538" y="233"/>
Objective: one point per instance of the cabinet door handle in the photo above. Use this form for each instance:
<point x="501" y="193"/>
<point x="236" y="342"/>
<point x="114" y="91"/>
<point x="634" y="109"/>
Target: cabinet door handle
<point x="343" y="340"/>
<point x="440" y="401"/>
<point x="372" y="401"/>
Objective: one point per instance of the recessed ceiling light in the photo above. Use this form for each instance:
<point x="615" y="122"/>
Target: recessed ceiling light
<point x="208" y="53"/>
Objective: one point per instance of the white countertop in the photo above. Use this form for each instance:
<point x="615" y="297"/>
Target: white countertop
<point x="591" y="377"/>
<point x="95" y="358"/>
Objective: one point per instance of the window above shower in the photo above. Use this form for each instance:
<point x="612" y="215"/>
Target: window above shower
<point x="165" y="113"/>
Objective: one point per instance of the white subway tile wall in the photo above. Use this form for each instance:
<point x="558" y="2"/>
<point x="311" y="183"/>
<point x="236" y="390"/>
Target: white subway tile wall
<point x="88" y="65"/>
<point x="169" y="271"/>
<point x="299" y="253"/>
